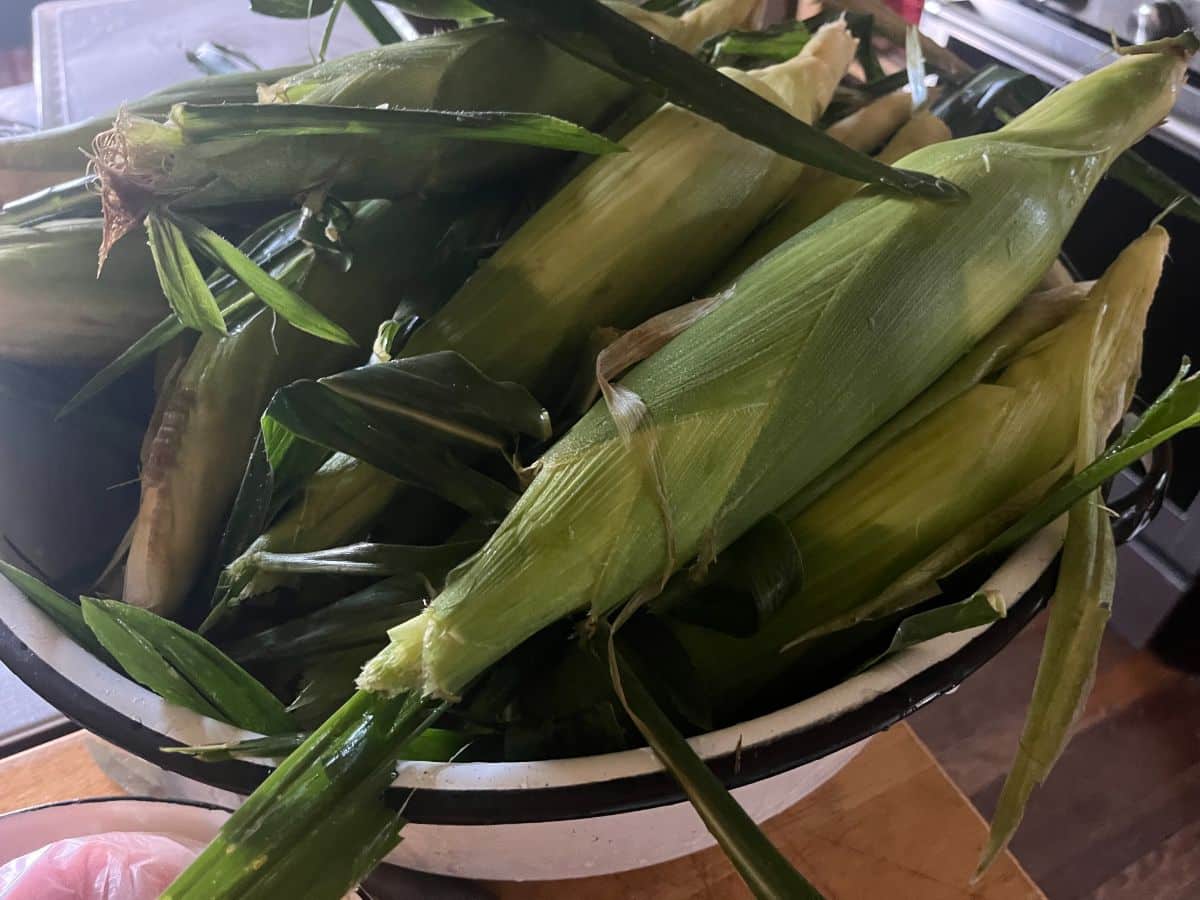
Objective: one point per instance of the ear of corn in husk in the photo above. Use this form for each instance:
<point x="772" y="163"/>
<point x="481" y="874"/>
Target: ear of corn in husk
<point x="814" y="347"/>
<point x="937" y="491"/>
<point x="31" y="162"/>
<point x="685" y="182"/>
<point x="52" y="308"/>
<point x="141" y="159"/>
<point x="689" y="190"/>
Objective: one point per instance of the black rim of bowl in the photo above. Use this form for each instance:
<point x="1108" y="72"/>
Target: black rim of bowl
<point x="117" y="798"/>
<point x="494" y="807"/>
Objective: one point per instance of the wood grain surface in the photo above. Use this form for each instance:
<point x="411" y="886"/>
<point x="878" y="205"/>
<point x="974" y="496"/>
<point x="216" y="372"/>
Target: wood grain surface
<point x="891" y="824"/>
<point x="1119" y="817"/>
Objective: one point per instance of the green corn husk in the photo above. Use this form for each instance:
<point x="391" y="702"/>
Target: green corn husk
<point x="822" y="192"/>
<point x="205" y="424"/>
<point x="944" y="275"/>
<point x="414" y="253"/>
<point x="457" y="71"/>
<point x="941" y="490"/>
<point x="1083" y="596"/>
<point x="685" y="183"/>
<point x="30" y="162"/>
<point x="529" y="310"/>
<point x="53" y="311"/>
<point x="813" y="348"/>
<point x="1037" y="314"/>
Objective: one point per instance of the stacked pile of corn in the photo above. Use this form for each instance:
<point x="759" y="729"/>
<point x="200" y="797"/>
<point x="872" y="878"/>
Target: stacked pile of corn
<point x="877" y="375"/>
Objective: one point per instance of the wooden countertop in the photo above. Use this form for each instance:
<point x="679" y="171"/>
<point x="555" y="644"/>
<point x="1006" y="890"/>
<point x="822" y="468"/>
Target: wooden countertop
<point x="891" y="824"/>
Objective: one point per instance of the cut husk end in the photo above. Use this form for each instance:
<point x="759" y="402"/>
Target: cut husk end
<point x="130" y="159"/>
<point x="397" y="669"/>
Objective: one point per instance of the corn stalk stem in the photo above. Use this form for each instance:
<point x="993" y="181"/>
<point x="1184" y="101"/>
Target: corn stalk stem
<point x="350" y="757"/>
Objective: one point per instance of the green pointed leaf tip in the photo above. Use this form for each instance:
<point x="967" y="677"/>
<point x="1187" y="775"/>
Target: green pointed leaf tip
<point x="407" y="417"/>
<point x="184" y="668"/>
<point x="269" y="245"/>
<point x="180" y="277"/>
<point x="275" y="747"/>
<point x="235" y="121"/>
<point x="982" y="608"/>
<point x="290" y="305"/>
<point x="142" y="661"/>
<point x="775" y="44"/>
<point x="449" y="394"/>
<point x="321" y="416"/>
<point x="766" y="871"/>
<point x="67" y="615"/>
<point x="1079" y="612"/>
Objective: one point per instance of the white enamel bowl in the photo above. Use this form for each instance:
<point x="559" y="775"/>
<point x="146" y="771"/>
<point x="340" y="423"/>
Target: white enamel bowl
<point x="546" y="819"/>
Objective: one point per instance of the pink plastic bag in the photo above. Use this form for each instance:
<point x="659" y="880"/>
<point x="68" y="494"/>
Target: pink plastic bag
<point x="112" y="866"/>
